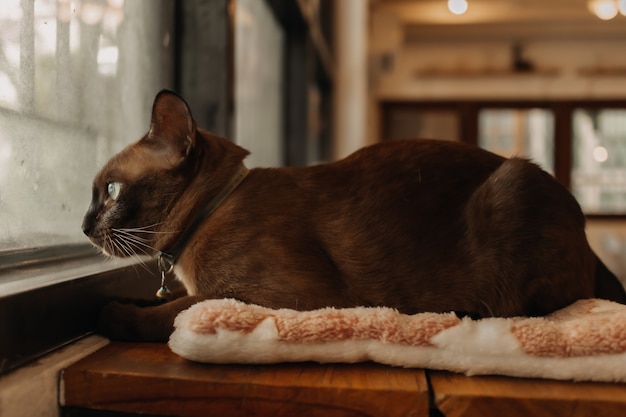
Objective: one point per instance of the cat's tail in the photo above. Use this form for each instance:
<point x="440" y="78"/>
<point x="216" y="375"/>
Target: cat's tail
<point x="607" y="285"/>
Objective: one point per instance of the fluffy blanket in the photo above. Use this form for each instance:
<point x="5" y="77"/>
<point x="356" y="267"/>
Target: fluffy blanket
<point x="585" y="341"/>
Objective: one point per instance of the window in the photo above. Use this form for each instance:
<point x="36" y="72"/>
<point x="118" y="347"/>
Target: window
<point x="599" y="160"/>
<point x="76" y="84"/>
<point x="519" y="132"/>
<point x="75" y="87"/>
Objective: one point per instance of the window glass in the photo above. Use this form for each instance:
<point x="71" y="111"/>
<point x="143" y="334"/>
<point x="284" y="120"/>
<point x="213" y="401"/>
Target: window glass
<point x="259" y="51"/>
<point x="599" y="160"/>
<point x="77" y="79"/>
<point x="526" y="133"/>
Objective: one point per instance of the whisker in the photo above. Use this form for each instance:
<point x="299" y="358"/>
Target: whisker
<point x="138" y="246"/>
<point x="148" y="227"/>
<point x="121" y="245"/>
<point x="151" y="225"/>
<point x="109" y="245"/>
<point x="129" y="234"/>
<point x="160" y="232"/>
<point x="135" y="242"/>
<point x="139" y="242"/>
<point x="128" y="248"/>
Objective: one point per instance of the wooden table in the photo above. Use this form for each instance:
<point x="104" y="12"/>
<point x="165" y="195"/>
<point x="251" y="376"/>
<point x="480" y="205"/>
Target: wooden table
<point x="457" y="395"/>
<point x="150" y="379"/>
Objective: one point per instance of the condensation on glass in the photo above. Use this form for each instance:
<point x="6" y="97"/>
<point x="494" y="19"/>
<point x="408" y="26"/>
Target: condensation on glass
<point x="599" y="160"/>
<point x="527" y="133"/>
<point x="77" y="79"/>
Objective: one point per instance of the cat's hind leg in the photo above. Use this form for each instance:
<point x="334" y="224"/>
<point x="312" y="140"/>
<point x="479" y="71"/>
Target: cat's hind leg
<point x="526" y="235"/>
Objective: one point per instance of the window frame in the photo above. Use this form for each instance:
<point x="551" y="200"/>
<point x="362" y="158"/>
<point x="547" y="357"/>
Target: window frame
<point x="46" y="316"/>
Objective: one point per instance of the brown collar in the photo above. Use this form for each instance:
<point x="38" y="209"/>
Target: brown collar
<point x="167" y="259"/>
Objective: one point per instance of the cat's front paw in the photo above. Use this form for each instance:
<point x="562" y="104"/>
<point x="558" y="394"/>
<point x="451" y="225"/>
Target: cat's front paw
<point x="118" y="321"/>
<point x="132" y="323"/>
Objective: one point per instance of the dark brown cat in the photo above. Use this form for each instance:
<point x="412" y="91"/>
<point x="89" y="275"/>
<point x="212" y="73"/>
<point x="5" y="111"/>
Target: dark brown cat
<point x="415" y="225"/>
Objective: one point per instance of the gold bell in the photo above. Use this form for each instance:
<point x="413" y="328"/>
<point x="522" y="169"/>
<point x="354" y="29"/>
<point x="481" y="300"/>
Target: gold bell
<point x="164" y="293"/>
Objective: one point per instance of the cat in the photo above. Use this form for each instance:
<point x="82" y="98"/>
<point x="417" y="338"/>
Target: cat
<point x="417" y="225"/>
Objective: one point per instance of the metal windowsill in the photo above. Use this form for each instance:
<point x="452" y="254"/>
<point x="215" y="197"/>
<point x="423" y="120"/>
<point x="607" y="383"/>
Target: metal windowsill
<point x="52" y="296"/>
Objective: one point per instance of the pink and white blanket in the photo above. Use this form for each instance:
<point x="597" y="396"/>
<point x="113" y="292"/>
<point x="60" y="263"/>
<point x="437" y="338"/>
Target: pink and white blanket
<point x="585" y="341"/>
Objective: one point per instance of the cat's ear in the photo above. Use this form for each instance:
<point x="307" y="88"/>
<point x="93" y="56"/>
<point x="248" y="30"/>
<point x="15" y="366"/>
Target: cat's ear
<point x="172" y="124"/>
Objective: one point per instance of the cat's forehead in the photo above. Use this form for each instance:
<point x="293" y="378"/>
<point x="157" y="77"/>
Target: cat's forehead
<point x="130" y="164"/>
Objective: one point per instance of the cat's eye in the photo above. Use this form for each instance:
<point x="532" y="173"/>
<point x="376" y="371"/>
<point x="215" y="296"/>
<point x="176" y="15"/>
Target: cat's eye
<point x="113" y="189"/>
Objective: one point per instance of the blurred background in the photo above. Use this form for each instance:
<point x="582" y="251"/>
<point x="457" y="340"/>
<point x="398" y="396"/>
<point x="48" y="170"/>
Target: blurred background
<point x="300" y="82"/>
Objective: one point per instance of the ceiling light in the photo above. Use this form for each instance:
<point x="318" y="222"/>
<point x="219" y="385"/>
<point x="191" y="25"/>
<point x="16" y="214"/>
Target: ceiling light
<point x="600" y="154"/>
<point x="621" y="5"/>
<point x="457" y="7"/>
<point x="604" y="9"/>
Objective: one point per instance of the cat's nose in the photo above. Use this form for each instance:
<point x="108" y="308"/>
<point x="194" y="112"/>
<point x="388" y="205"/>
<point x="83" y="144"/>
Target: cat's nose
<point x="86" y="226"/>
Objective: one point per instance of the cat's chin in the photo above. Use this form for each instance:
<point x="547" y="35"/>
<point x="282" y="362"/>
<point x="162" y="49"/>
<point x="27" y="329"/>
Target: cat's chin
<point x="107" y="254"/>
<point x="104" y="250"/>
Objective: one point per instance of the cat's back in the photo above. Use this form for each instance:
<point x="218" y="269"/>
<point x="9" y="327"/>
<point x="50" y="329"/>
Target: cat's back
<point x="403" y="155"/>
<point x="391" y="167"/>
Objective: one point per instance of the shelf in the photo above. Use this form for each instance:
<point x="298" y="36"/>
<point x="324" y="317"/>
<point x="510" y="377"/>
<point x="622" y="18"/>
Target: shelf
<point x="486" y="73"/>
<point x="603" y="72"/>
